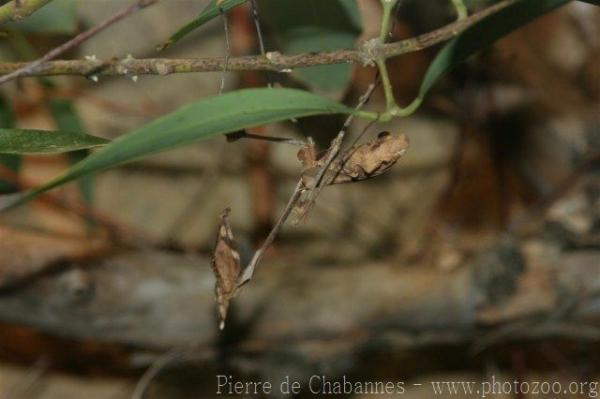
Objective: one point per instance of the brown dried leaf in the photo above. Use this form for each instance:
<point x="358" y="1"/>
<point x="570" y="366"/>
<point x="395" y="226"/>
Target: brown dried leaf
<point x="359" y="163"/>
<point x="372" y="159"/>
<point x="362" y="162"/>
<point x="226" y="266"/>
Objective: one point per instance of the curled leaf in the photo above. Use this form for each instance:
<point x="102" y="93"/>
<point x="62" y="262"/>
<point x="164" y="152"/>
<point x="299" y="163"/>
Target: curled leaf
<point x="226" y="266"/>
<point x="372" y="159"/>
<point x="359" y="163"/>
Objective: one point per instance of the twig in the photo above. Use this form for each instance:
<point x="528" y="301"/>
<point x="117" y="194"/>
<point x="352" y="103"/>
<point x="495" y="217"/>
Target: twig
<point x="227" y="48"/>
<point x="259" y="36"/>
<point x="332" y="153"/>
<point x="362" y="133"/>
<point x="153" y="371"/>
<point x="395" y="16"/>
<point x="461" y="9"/>
<point x="277" y="62"/>
<point x="298" y="191"/>
<point x="390" y="101"/>
<point x="33" y="67"/>
<point x="261" y="43"/>
<point x="16" y="10"/>
<point x="388" y="7"/>
<point x="249" y="270"/>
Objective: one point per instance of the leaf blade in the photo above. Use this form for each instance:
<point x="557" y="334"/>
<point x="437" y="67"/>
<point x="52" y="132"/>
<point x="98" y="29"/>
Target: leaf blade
<point x="201" y="120"/>
<point x="211" y="11"/>
<point x="30" y="141"/>
<point x="478" y="36"/>
<point x="9" y="163"/>
<point x="66" y="118"/>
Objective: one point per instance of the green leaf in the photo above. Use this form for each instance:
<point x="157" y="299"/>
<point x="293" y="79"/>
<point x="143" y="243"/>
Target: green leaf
<point x="210" y="11"/>
<point x="479" y="36"/>
<point x="216" y="115"/>
<point x="315" y="25"/>
<point x="57" y="18"/>
<point x="66" y="119"/>
<point x="11" y="162"/>
<point x="478" y="3"/>
<point x="25" y="141"/>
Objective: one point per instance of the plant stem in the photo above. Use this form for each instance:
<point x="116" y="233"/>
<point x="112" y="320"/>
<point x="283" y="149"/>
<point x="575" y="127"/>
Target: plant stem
<point x="249" y="270"/>
<point x="390" y="102"/>
<point x="461" y="9"/>
<point x="280" y="62"/>
<point x="13" y="11"/>
<point x="300" y="188"/>
<point x="77" y="40"/>
<point x="374" y="116"/>
<point x="384" y="30"/>
<point x="409" y="109"/>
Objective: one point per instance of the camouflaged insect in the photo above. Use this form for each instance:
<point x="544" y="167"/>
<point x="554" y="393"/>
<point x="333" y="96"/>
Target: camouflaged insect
<point x="359" y="163"/>
<point x="362" y="162"/>
<point x="226" y="266"/>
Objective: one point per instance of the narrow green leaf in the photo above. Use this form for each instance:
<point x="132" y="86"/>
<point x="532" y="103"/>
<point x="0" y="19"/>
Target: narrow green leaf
<point x="59" y="17"/>
<point x="315" y="25"/>
<point x="25" y="141"/>
<point x="210" y="11"/>
<point x="11" y="162"/>
<point x="479" y="36"/>
<point x="66" y="119"/>
<point x="217" y="115"/>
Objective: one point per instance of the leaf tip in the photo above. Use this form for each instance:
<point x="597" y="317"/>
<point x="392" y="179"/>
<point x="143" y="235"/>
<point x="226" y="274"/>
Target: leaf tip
<point x="164" y="46"/>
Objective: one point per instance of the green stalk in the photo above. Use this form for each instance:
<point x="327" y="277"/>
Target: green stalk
<point x="461" y="9"/>
<point x="13" y="11"/>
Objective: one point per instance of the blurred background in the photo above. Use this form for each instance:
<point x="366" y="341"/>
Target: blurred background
<point x="476" y="257"/>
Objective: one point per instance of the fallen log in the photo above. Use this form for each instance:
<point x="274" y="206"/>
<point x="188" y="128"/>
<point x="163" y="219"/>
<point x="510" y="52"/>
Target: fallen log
<point x="162" y="300"/>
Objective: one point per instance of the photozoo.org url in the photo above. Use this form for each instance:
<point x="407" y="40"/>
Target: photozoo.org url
<point x="487" y="389"/>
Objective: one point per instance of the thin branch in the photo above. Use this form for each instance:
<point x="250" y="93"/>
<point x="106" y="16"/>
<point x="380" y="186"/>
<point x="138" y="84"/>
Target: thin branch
<point x="227" y="48"/>
<point x="249" y="270"/>
<point x="271" y="62"/>
<point x="299" y="190"/>
<point x="332" y="153"/>
<point x="384" y="29"/>
<point x="390" y="102"/>
<point x="461" y="9"/>
<point x="259" y="36"/>
<point x="32" y="68"/>
<point x="161" y="363"/>
<point x="16" y="11"/>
